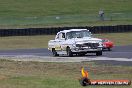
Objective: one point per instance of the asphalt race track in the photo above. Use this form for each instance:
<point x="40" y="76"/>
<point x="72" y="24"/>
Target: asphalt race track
<point x="117" y="52"/>
<point x="116" y="55"/>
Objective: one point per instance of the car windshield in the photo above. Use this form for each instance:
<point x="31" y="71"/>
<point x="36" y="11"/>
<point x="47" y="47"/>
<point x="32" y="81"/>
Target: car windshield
<point x="78" y="34"/>
<point x="105" y="40"/>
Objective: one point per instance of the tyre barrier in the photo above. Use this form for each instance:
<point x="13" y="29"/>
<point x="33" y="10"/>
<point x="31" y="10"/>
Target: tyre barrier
<point x="52" y="31"/>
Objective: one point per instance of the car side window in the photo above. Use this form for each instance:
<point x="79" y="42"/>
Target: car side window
<point x="60" y="36"/>
<point x="57" y="37"/>
<point x="63" y="35"/>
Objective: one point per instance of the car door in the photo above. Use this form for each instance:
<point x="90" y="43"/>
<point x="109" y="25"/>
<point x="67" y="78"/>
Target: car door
<point x="63" y="41"/>
<point x="57" y="42"/>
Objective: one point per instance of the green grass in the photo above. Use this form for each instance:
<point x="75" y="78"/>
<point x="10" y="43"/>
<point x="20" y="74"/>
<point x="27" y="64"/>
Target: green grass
<point x="43" y="13"/>
<point x="24" y="42"/>
<point x="57" y="75"/>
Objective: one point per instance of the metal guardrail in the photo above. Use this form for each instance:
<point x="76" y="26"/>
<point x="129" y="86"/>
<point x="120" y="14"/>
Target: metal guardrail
<point x="51" y="31"/>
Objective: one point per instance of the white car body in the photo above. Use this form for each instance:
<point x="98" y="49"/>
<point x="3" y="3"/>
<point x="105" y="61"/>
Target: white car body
<point x="78" y="41"/>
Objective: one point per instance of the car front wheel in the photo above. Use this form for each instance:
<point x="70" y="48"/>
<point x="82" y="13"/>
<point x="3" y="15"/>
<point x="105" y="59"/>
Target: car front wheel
<point x="98" y="53"/>
<point x="69" y="52"/>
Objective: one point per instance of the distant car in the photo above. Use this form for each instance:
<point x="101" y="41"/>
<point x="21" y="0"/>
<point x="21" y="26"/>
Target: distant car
<point x="107" y="44"/>
<point x="75" y="41"/>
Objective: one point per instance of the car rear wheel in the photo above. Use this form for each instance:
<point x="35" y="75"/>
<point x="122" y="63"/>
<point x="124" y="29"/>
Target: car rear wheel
<point x="98" y="53"/>
<point x="109" y="49"/>
<point x="54" y="52"/>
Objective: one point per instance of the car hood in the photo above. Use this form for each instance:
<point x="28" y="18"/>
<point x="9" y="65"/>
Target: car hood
<point x="87" y="40"/>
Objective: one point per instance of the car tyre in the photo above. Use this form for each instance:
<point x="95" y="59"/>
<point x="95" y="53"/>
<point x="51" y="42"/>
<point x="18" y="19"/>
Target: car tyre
<point x="98" y="53"/>
<point x="109" y="49"/>
<point x="69" y="52"/>
<point x="54" y="53"/>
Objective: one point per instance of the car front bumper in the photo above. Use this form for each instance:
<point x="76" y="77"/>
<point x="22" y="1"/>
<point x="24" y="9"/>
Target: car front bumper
<point x="86" y="49"/>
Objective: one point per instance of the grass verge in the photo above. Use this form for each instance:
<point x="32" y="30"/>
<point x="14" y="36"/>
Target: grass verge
<point x="41" y="13"/>
<point x="23" y="42"/>
<point x="57" y="75"/>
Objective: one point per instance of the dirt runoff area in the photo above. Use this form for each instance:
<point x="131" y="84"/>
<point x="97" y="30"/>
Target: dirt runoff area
<point x="113" y="61"/>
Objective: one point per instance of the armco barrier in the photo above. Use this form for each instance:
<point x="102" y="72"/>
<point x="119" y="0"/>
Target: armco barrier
<point x="51" y="31"/>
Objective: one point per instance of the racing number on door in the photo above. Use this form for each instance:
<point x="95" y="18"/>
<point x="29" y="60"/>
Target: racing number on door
<point x="58" y="47"/>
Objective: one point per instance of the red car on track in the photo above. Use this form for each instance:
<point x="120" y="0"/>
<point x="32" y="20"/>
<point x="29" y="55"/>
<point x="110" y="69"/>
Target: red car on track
<point x="107" y="44"/>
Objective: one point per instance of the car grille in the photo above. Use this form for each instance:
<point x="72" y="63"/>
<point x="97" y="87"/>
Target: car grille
<point x="91" y="45"/>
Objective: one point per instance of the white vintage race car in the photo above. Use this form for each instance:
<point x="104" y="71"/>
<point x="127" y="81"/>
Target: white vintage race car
<point x="75" y="41"/>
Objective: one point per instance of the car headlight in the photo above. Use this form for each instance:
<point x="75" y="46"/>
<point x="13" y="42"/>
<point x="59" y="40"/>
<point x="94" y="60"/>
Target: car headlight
<point x="74" y="45"/>
<point x="100" y="44"/>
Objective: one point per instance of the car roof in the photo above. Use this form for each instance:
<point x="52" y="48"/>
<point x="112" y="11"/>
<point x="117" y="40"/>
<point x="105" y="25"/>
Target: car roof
<point x="65" y="31"/>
